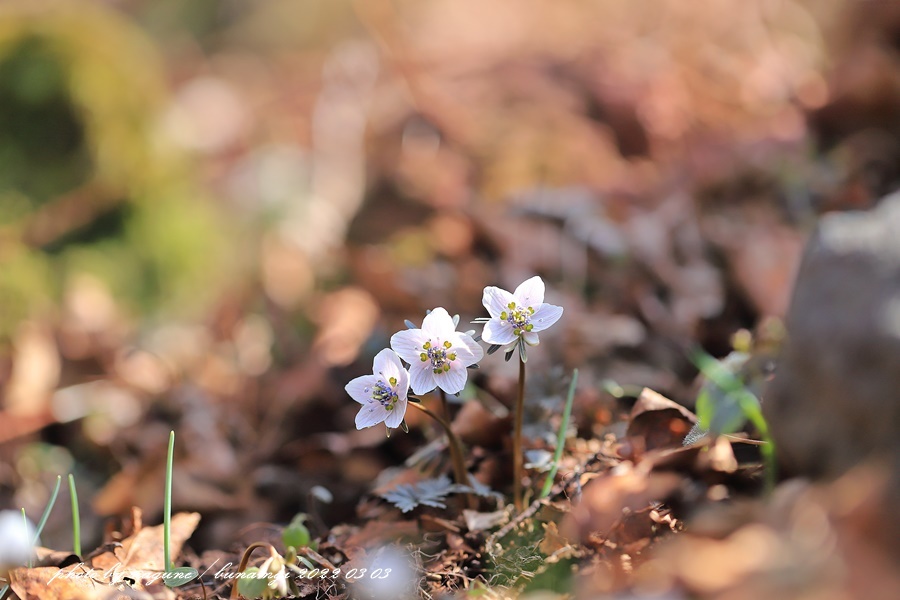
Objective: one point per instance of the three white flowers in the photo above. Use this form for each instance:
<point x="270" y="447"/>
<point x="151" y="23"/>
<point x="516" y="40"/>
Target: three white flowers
<point x="439" y="356"/>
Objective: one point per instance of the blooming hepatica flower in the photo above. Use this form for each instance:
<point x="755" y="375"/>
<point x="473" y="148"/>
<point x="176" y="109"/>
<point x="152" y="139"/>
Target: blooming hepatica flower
<point x="438" y="355"/>
<point x="520" y="315"/>
<point x="382" y="395"/>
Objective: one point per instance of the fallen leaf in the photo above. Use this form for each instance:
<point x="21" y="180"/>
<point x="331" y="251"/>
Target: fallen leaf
<point x="144" y="550"/>
<point x="46" y="583"/>
<point x="657" y="422"/>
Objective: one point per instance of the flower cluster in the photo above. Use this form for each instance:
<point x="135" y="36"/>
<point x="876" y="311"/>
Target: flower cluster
<point x="439" y="356"/>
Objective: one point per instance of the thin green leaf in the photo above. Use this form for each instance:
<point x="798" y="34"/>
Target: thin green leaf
<point x="76" y="518"/>
<point x="561" y="436"/>
<point x="47" y="509"/>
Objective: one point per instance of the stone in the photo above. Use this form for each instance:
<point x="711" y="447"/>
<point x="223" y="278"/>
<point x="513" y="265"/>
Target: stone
<point x="836" y="398"/>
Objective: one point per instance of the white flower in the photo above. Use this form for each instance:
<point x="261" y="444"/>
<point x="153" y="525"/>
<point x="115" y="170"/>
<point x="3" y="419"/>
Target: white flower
<point x="274" y="569"/>
<point x="437" y="354"/>
<point x="18" y="537"/>
<point x="520" y="314"/>
<point x="382" y="395"/>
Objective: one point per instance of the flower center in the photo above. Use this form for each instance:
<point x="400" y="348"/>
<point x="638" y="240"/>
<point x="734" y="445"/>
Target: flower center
<point x="519" y="317"/>
<point x="384" y="393"/>
<point x="439" y="356"/>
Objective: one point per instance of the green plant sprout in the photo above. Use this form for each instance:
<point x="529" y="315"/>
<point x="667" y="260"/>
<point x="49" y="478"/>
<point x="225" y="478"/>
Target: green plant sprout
<point x="172" y="577"/>
<point x="76" y="518"/>
<point x="296" y="534"/>
<point x="723" y="414"/>
<point x="561" y="437"/>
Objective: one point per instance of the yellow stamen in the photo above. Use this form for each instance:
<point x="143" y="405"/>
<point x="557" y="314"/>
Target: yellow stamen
<point x="426" y="345"/>
<point x="446" y="367"/>
<point x="504" y="315"/>
<point x="529" y="327"/>
<point x="530" y="310"/>
<point x="452" y="356"/>
<point x="393" y="380"/>
<point x="511" y="306"/>
<point x="423" y="356"/>
<point x="447" y="344"/>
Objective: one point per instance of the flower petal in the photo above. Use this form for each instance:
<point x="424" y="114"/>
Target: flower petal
<point x="474" y="347"/>
<point x="360" y="389"/>
<point x="438" y="323"/>
<point x="408" y="344"/>
<point x="387" y="364"/>
<point x="530" y="292"/>
<point x="371" y="414"/>
<point x="402" y="387"/>
<point x="454" y="380"/>
<point x="396" y="416"/>
<point x="421" y="377"/>
<point x="545" y="316"/>
<point x="498" y="332"/>
<point x="496" y="300"/>
<point x="531" y="338"/>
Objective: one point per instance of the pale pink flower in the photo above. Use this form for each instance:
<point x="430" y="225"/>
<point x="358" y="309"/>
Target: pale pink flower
<point x="438" y="355"/>
<point x="383" y="394"/>
<point x="520" y="315"/>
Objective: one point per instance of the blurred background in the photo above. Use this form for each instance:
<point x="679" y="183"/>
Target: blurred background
<point x="214" y="213"/>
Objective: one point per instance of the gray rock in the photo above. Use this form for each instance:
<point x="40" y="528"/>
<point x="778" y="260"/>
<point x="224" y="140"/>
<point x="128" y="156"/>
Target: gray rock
<point x="836" y="398"/>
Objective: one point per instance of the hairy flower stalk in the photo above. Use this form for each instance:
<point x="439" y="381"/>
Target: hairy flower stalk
<point x="457" y="456"/>
<point x="516" y="318"/>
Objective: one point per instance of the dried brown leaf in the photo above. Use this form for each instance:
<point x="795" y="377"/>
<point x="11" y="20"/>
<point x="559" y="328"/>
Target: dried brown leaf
<point x="46" y="583"/>
<point x="657" y="422"/>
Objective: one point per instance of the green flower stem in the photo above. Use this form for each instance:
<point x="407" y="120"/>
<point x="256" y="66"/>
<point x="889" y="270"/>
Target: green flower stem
<point x="456" y="451"/>
<point x="76" y="519"/>
<point x="561" y="438"/>
<point x="167" y="507"/>
<point x="517" y="440"/>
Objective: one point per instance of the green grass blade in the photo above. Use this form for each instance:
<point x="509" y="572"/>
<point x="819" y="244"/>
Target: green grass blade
<point x="561" y="437"/>
<point x="47" y="509"/>
<point x="76" y="517"/>
<point x="167" y="508"/>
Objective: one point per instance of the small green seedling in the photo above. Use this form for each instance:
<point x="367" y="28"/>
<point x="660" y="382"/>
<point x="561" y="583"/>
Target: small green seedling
<point x="253" y="584"/>
<point x="172" y="577"/>
<point x="724" y="413"/>
<point x="296" y="534"/>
